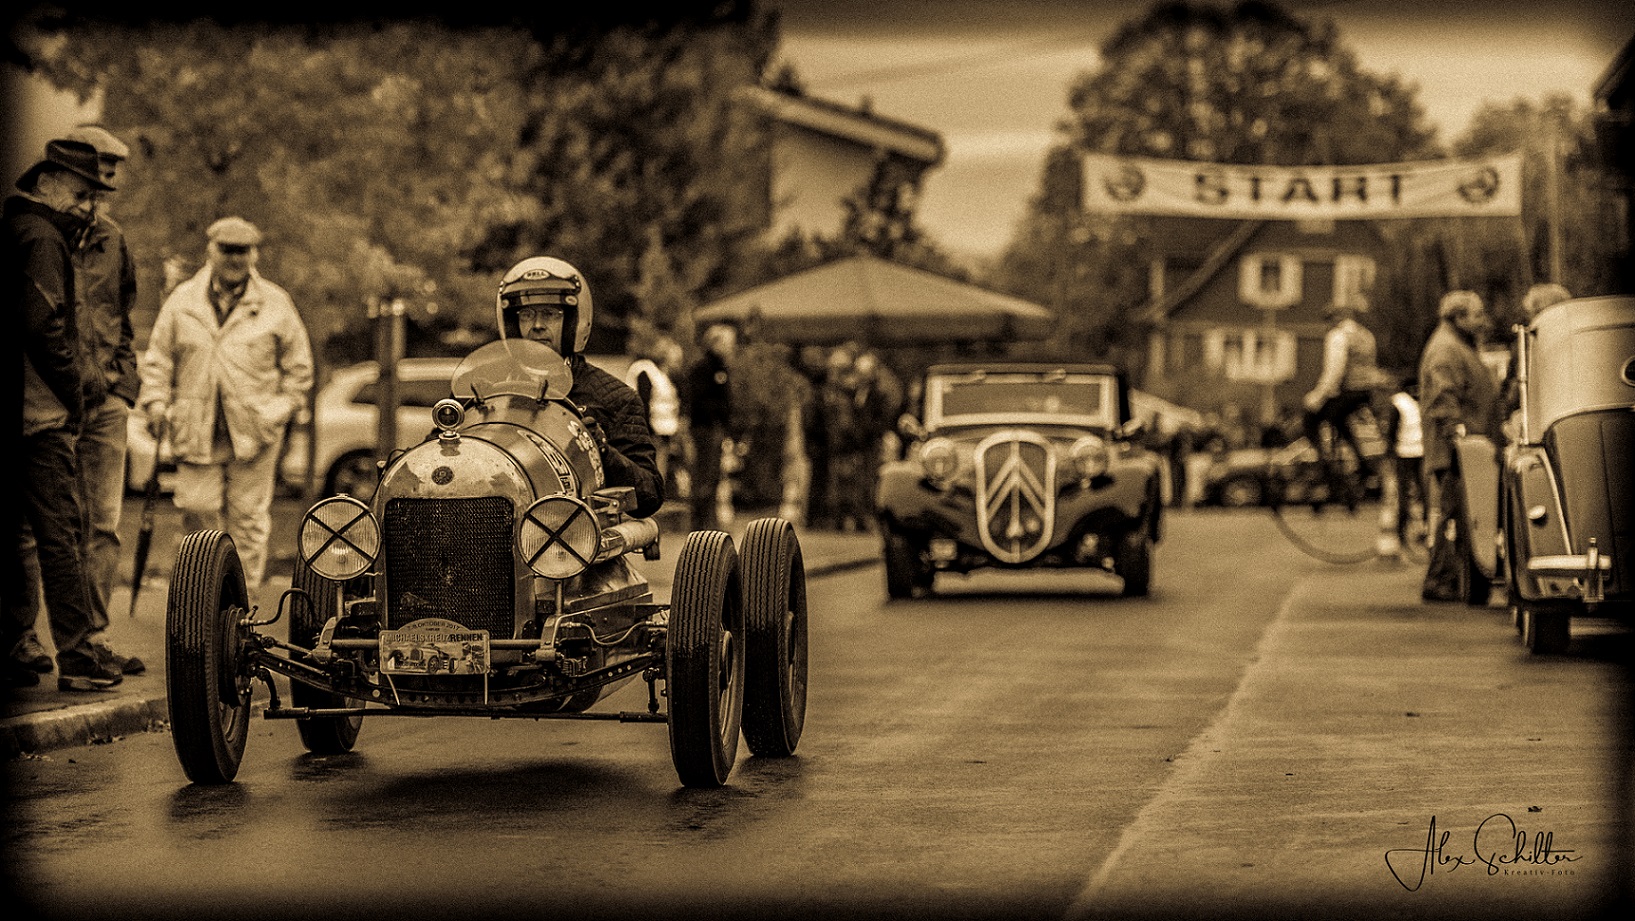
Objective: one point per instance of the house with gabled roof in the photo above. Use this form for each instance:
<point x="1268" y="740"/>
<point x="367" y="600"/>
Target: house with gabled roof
<point x="825" y="157"/>
<point x="1235" y="308"/>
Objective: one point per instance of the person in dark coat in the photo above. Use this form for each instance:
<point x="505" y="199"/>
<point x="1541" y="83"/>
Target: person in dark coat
<point x="53" y="210"/>
<point x="546" y="300"/>
<point x="707" y="398"/>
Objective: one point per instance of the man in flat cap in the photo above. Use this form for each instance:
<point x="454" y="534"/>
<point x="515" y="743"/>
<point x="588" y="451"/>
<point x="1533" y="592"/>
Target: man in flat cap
<point x="226" y="368"/>
<point x="54" y="208"/>
<point x="105" y="289"/>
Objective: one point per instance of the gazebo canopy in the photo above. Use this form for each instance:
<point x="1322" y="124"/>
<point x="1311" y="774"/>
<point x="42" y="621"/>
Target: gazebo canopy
<point x="883" y="303"/>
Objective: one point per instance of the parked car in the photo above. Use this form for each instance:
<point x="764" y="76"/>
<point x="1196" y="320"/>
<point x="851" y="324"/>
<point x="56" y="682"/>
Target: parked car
<point x="1249" y="477"/>
<point x="1555" y="519"/>
<point x="488" y="577"/>
<point x="1016" y="465"/>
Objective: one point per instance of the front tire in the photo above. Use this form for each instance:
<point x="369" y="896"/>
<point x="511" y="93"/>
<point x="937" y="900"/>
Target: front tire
<point x="322" y="735"/>
<point x="704" y="660"/>
<point x="774" y="574"/>
<point x="207" y="675"/>
<point x="907" y="572"/>
<point x="355" y="474"/>
<point x="1132" y="559"/>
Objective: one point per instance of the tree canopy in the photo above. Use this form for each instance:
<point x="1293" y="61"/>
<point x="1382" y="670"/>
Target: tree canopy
<point x="417" y="158"/>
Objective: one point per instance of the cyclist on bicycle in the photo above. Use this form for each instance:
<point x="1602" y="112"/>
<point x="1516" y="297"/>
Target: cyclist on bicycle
<point x="1344" y="386"/>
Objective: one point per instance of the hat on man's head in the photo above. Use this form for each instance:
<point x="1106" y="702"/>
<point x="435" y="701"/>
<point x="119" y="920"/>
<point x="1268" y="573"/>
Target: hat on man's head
<point x="107" y="146"/>
<point x="233" y="231"/>
<point x="74" y="157"/>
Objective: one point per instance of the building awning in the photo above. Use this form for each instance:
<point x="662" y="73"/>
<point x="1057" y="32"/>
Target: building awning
<point x="881" y="303"/>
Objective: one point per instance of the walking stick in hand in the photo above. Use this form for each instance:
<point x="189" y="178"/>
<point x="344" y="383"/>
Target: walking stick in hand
<point x="144" y="536"/>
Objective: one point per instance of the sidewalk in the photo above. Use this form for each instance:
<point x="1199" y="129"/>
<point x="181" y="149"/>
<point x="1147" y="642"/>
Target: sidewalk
<point x="43" y="718"/>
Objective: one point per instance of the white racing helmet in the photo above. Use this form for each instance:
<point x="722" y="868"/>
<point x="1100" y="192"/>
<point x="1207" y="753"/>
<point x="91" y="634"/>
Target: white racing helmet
<point x="545" y="281"/>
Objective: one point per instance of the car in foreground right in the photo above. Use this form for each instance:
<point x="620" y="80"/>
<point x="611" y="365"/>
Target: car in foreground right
<point x="1565" y="494"/>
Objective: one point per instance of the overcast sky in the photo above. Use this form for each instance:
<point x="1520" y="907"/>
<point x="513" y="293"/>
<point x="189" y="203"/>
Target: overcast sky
<point x="992" y="75"/>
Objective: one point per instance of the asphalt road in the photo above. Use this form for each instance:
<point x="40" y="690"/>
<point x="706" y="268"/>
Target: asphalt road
<point x="1267" y="735"/>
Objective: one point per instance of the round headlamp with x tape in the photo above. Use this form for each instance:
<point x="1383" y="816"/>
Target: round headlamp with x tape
<point x="339" y="538"/>
<point x="559" y="537"/>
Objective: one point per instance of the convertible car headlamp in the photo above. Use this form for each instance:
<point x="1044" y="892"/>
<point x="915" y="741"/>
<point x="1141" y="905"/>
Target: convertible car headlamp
<point x="339" y="538"/>
<point x="1089" y="457"/>
<point x="939" y="460"/>
<point x="558" y="537"/>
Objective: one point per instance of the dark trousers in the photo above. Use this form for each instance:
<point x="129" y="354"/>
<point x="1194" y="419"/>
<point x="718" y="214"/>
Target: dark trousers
<point x="1445" y="572"/>
<point x="706" y="475"/>
<point x="1410" y="487"/>
<point x="50" y="504"/>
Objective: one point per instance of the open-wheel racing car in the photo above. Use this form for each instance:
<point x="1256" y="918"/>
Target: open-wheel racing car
<point x="1016" y="465"/>
<point x="489" y="577"/>
<point x="1555" y="519"/>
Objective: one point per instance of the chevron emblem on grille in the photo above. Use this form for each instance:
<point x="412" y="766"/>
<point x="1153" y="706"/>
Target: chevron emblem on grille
<point x="1015" y="494"/>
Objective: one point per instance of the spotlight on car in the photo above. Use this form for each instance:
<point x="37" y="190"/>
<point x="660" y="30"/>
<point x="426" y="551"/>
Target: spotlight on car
<point x="939" y="460"/>
<point x="339" y="538"/>
<point x="559" y="537"/>
<point x="1089" y="457"/>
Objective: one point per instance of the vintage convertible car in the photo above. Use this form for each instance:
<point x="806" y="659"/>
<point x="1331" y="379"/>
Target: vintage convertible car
<point x="1020" y="465"/>
<point x="1555" y="519"/>
<point x="488" y="577"/>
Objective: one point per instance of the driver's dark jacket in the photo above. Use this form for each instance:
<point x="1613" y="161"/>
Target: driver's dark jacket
<point x="630" y="458"/>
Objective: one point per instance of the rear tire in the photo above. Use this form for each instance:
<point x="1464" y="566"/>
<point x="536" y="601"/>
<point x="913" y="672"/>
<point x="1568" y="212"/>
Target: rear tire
<point x="704" y="660"/>
<point x="207" y="676"/>
<point x="774" y="574"/>
<point x="322" y="735"/>
<point x="1545" y="632"/>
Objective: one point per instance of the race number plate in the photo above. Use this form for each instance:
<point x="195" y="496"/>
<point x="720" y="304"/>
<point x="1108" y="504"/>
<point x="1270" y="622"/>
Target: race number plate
<point x="434" y="646"/>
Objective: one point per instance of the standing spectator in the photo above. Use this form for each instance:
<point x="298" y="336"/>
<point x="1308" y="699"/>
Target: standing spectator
<point x="54" y="209"/>
<point x="1405" y="445"/>
<point x="652" y="376"/>
<point x="877" y="396"/>
<point x="227" y="367"/>
<point x="813" y="367"/>
<point x="847" y="441"/>
<point x="708" y="401"/>
<point x="105" y="292"/>
<point x="1458" y="396"/>
<point x="1344" y="386"/>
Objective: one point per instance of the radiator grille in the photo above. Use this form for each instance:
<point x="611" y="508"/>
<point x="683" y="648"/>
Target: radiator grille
<point x="1015" y="494"/>
<point x="451" y="558"/>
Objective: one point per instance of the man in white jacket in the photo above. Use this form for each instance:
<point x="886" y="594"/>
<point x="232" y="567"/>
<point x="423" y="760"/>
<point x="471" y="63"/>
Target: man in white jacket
<point x="227" y="366"/>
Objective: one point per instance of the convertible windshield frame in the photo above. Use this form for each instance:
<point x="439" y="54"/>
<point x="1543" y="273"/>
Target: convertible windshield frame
<point x="1010" y="397"/>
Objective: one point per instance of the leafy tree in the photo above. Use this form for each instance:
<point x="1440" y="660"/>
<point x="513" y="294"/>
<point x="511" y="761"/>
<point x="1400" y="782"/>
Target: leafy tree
<point x="1250" y="83"/>
<point x="631" y="146"/>
<point x="369" y="154"/>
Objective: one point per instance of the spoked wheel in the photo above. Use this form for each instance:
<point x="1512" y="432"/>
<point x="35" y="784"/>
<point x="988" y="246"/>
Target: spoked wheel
<point x="774" y="575"/>
<point x="704" y="659"/>
<point x="322" y="735"/>
<point x="207" y="675"/>
<point x="907" y="571"/>
<point x="1319" y="524"/>
<point x="1132" y="559"/>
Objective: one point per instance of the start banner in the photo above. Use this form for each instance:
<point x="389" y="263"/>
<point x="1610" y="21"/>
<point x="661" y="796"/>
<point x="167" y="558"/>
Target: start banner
<point x="1486" y="187"/>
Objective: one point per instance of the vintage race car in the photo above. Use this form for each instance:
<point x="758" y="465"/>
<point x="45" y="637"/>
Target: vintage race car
<point x="1555" y="519"/>
<point x="1020" y="465"/>
<point x="488" y="576"/>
